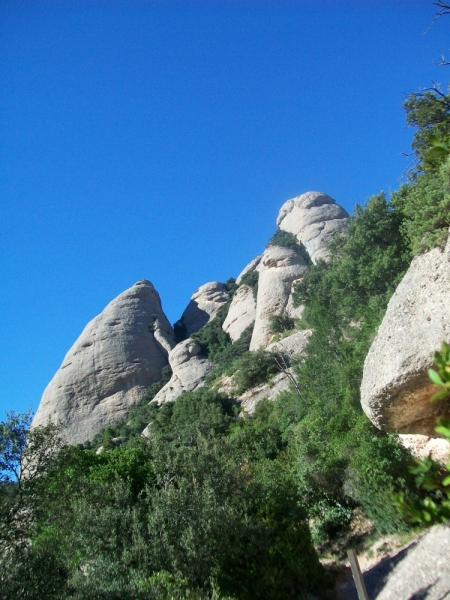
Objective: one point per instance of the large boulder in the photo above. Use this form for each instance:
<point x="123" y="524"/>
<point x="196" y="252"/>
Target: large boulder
<point x="204" y="305"/>
<point x="241" y="313"/>
<point x="106" y="372"/>
<point x="395" y="388"/>
<point x="189" y="370"/>
<point x="314" y="218"/>
<point x="280" y="267"/>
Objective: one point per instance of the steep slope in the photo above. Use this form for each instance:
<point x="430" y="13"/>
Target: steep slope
<point x="117" y="356"/>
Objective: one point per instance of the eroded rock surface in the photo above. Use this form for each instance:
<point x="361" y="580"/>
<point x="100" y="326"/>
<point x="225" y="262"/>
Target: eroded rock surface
<point x="254" y="265"/>
<point x="241" y="313"/>
<point x="204" y="305"/>
<point x="189" y="370"/>
<point x="395" y="389"/>
<point x="110" y="366"/>
<point x="293" y="344"/>
<point x="280" y="268"/>
<point x="314" y="217"/>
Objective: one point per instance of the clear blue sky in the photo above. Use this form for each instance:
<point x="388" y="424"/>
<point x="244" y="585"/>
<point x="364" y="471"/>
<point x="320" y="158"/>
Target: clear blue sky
<point x="158" y="140"/>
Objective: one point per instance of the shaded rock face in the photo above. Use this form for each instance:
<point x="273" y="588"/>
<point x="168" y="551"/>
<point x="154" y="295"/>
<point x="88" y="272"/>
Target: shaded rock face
<point x="280" y="268"/>
<point x="204" y="305"/>
<point x="395" y="388"/>
<point x="314" y="218"/>
<point x="241" y="313"/>
<point x="189" y="370"/>
<point x="110" y="366"/>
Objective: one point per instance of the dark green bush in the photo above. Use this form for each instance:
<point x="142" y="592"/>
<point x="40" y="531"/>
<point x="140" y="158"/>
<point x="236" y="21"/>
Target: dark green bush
<point x="251" y="279"/>
<point x="255" y="368"/>
<point x="289" y="240"/>
<point x="425" y="206"/>
<point x="281" y="323"/>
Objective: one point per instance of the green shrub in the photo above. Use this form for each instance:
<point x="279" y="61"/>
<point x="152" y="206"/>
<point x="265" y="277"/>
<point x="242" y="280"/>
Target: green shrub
<point x="251" y="279"/>
<point x="255" y="368"/>
<point x="289" y="240"/>
<point x="281" y="323"/>
<point x="425" y="206"/>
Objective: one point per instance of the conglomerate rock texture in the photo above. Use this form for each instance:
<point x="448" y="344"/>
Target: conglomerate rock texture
<point x="110" y="366"/>
<point x="314" y="218"/>
<point x="189" y="370"/>
<point x="395" y="388"/>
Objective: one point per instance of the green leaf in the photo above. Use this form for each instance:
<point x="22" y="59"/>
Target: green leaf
<point x="435" y="377"/>
<point x="446" y="481"/>
<point x="440" y="395"/>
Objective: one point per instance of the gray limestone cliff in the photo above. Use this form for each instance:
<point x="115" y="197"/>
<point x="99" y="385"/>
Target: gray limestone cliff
<point x="110" y="366"/>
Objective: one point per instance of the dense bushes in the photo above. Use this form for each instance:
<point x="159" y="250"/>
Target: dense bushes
<point x="289" y="240"/>
<point x="197" y="509"/>
<point x="254" y="368"/>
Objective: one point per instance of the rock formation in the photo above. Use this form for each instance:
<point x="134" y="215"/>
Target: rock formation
<point x="241" y="313"/>
<point x="293" y="344"/>
<point x="254" y="265"/>
<point x="395" y="389"/>
<point x="110" y="366"/>
<point x="314" y="218"/>
<point x="280" y="268"/>
<point x="204" y="305"/>
<point x="188" y="371"/>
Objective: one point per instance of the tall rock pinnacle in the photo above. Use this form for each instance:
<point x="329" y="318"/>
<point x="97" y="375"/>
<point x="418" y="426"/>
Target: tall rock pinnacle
<point x="117" y="356"/>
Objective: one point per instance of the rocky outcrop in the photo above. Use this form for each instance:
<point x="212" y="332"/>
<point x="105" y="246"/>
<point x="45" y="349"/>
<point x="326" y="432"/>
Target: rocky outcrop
<point x="395" y="389"/>
<point x="264" y="391"/>
<point x="280" y="267"/>
<point x="422" y="446"/>
<point x="293" y="344"/>
<point x="241" y="313"/>
<point x="254" y="265"/>
<point x="189" y="370"/>
<point x="314" y="218"/>
<point x="204" y="305"/>
<point x="110" y="366"/>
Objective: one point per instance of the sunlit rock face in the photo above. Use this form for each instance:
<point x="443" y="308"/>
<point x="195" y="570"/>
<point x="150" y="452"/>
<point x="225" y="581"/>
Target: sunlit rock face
<point x="189" y="370"/>
<point x="241" y="313"/>
<point x="108" y="369"/>
<point x="314" y="218"/>
<point x="280" y="268"/>
<point x="204" y="305"/>
<point x="395" y="388"/>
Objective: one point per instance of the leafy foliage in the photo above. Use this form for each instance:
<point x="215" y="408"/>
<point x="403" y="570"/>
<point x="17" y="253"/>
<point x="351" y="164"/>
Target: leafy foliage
<point x="281" y="323"/>
<point x="285" y="239"/>
<point x="251" y="279"/>
<point x="429" y="111"/>
<point x="425" y="208"/>
<point x="255" y="368"/>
